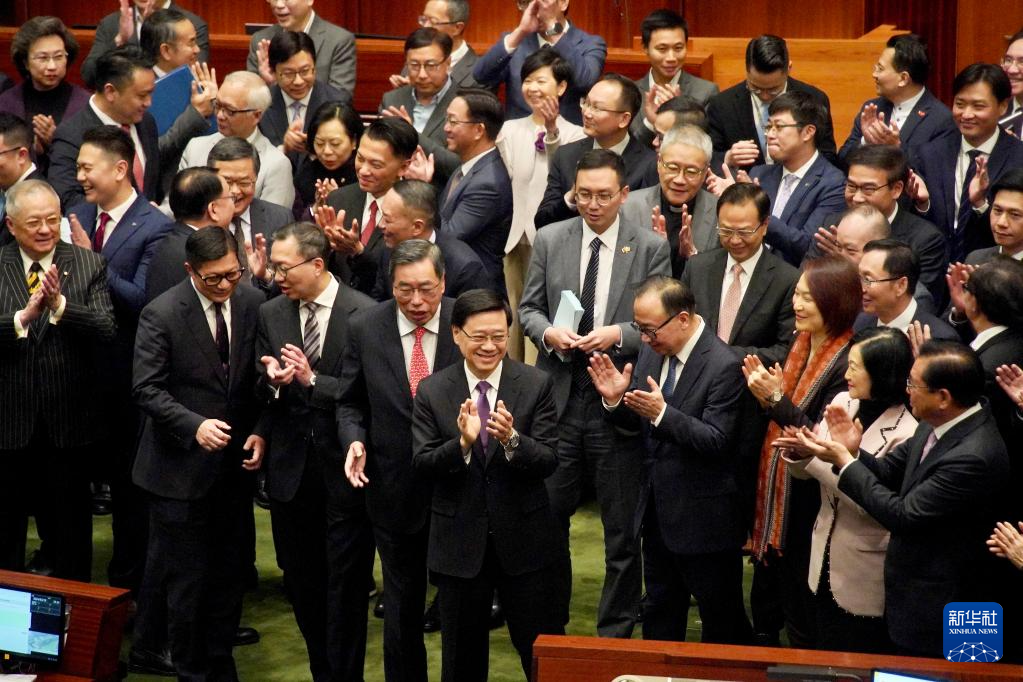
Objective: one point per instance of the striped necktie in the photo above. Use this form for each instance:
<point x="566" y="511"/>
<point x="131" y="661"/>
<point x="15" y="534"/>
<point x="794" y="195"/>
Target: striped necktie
<point x="33" y="280"/>
<point x="311" y="334"/>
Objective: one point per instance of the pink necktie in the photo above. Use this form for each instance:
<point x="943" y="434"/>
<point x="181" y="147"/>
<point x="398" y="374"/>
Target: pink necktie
<point x="418" y="369"/>
<point x="730" y="306"/>
<point x="928" y="446"/>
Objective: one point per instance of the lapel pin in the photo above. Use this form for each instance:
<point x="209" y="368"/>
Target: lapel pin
<point x="921" y="113"/>
<point x="626" y="249"/>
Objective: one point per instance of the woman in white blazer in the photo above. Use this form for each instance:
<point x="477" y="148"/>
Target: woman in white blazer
<point x="848" y="546"/>
<point x="526" y="145"/>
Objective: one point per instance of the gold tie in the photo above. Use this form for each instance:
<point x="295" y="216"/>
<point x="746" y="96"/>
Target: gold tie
<point x="33" y="280"/>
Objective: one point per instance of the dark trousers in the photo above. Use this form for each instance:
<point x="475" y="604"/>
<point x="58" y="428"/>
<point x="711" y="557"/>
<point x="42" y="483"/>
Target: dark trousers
<point x="129" y="516"/>
<point x="529" y="607"/>
<point x="840" y="630"/>
<point x="326" y="553"/>
<point x="195" y="564"/>
<point x="51" y="483"/>
<point x="715" y="579"/>
<point x="589" y="449"/>
<point x="403" y="561"/>
<point x="780" y="597"/>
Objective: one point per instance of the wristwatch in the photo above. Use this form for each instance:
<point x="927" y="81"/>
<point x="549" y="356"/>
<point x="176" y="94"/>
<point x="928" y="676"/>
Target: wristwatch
<point x="513" y="442"/>
<point x="312" y="381"/>
<point x="776" y="397"/>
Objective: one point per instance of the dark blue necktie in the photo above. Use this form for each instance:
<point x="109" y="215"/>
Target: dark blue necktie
<point x="965" y="209"/>
<point x="580" y="377"/>
<point x="669" y="381"/>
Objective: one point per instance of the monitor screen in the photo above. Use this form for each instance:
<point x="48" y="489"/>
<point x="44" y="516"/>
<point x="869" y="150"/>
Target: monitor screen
<point x="31" y="625"/>
<point x="888" y="676"/>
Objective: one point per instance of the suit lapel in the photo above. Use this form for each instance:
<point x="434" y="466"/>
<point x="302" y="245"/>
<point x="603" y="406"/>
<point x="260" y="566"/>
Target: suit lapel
<point x="240" y="322"/>
<point x="277" y="115"/>
<point x="570" y="262"/>
<point x="14" y="273"/>
<point x="705" y="234"/>
<point x="759" y="280"/>
<point x="948" y="180"/>
<point x="330" y="351"/>
<point x="622" y="258"/>
<point x="440" y="112"/>
<point x="508" y="392"/>
<point x="124" y="229"/>
<point x="716" y="275"/>
<point x="693" y="368"/>
<point x="394" y="354"/>
<point x="195" y="321"/>
<point x="1000" y="155"/>
<point x="770" y="182"/>
<point x="914" y="119"/>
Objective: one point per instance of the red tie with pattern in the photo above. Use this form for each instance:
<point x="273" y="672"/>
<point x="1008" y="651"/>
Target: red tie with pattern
<point x="371" y="224"/>
<point x="136" y="169"/>
<point x="101" y="232"/>
<point x="418" y="369"/>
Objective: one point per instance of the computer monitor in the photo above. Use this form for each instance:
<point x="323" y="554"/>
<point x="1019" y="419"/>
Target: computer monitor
<point x="31" y="626"/>
<point x="889" y="676"/>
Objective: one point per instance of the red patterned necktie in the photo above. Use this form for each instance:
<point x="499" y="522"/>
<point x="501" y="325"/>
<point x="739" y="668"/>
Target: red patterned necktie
<point x="136" y="169"/>
<point x="101" y="232"/>
<point x="371" y="224"/>
<point x="418" y="369"/>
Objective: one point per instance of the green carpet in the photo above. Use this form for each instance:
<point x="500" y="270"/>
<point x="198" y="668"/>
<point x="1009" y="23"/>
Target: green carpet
<point x="281" y="656"/>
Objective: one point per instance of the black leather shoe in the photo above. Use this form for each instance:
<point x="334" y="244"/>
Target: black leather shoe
<point x="244" y="636"/>
<point x="378" y="608"/>
<point x="146" y="662"/>
<point x="262" y="498"/>
<point x="496" y="614"/>
<point x="766" y="639"/>
<point x="431" y="619"/>
<point x="101" y="499"/>
<point x="39" y="564"/>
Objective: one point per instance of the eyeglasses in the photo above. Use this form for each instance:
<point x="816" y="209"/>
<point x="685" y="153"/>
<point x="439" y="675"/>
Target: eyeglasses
<point x="584" y="197"/>
<point x="216" y="279"/>
<point x="868" y="282"/>
<point x="219" y="108"/>
<point x="865" y="190"/>
<point x="777" y="127"/>
<point x="53" y="222"/>
<point x="918" y="387"/>
<point x="305" y="72"/>
<point x="405" y="292"/>
<point x="728" y="232"/>
<point x="243" y="185"/>
<point x="1008" y="61"/>
<point x="276" y="269"/>
<point x="674" y="170"/>
<point x="480" y="339"/>
<point x="764" y="92"/>
<point x="44" y="59"/>
<point x="426" y="22"/>
<point x="429" y="67"/>
<point x="586" y="105"/>
<point x="9" y="150"/>
<point x="452" y="121"/>
<point x="650" y="332"/>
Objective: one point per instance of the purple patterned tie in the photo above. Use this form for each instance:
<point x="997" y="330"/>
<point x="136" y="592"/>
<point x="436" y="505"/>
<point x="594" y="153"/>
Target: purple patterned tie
<point x="483" y="410"/>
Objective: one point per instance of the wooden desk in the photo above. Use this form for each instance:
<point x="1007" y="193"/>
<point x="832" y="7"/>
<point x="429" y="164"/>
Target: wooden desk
<point x="98" y="614"/>
<point x="593" y="659"/>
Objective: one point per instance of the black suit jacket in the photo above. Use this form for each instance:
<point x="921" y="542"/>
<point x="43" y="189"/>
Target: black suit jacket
<point x="266" y="218"/>
<point x="940" y="330"/>
<point x="276" y="119"/>
<point x="689" y="462"/>
<point x="463" y="269"/>
<point x="167" y="268"/>
<point x="64" y="156"/>
<point x="49" y="380"/>
<point x="930" y="120"/>
<point x="730" y="118"/>
<point x="765" y="322"/>
<point x="179" y="383"/>
<point x="1005" y="348"/>
<point x="640" y="171"/>
<point x="940" y="512"/>
<point x="375" y="408"/>
<point x="359" y="272"/>
<point x="491" y="499"/>
<point x="299" y="421"/>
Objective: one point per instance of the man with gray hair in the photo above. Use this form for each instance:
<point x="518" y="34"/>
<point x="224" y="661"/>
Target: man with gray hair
<point x="55" y="313"/>
<point x="241" y="101"/>
<point x="678" y="207"/>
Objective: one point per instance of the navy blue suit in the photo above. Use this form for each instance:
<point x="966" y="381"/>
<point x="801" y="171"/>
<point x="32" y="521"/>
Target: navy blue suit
<point x="585" y="52"/>
<point x="936" y="164"/>
<point x="478" y="211"/>
<point x="929" y="120"/>
<point x="820" y="192"/>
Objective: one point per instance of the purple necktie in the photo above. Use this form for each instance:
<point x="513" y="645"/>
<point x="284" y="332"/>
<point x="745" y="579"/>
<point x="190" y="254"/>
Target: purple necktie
<point x="928" y="446"/>
<point x="483" y="410"/>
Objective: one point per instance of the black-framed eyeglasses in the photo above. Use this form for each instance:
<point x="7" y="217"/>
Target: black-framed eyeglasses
<point x="216" y="279"/>
<point x="865" y="190"/>
<point x="651" y="332"/>
<point x="728" y="232"/>
<point x="777" y="127"/>
<point x="9" y="150"/>
<point x="868" y="282"/>
<point x="584" y="197"/>
<point x="276" y="269"/>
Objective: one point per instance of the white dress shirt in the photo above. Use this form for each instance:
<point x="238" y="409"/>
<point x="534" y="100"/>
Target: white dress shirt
<point x="495" y="382"/>
<point x="406" y="330"/>
<point x="799" y="173"/>
<point x="619" y="148"/>
<point x="903" y="319"/>
<point x="45" y="262"/>
<point x="116" y="215"/>
<point x="901" y="112"/>
<point x="211" y="314"/>
<point x="325" y="303"/>
<point x="458" y="53"/>
<point x="963" y="163"/>
<point x="986" y="335"/>
<point x="467" y="165"/>
<point x="748" y="266"/>
<point x="132" y="129"/>
<point x="605" y="258"/>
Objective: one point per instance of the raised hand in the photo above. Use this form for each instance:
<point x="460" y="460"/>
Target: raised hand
<point x="295" y="138"/>
<point x="355" y="465"/>
<point x="204" y="88"/>
<point x="294" y="357"/>
<point x="257" y="256"/>
<point x="686" y="247"/>
<point x="397" y="80"/>
<point x="827" y="241"/>
<point x="868" y="117"/>
<point x="468" y="424"/>
<point x="324" y="186"/>
<point x="658" y="222"/>
<point x="742" y="153"/>
<point x="1010" y="378"/>
<point x="958" y="275"/>
<point x="980" y="183"/>
<point x="257" y="446"/>
<point x="1007" y="542"/>
<point x="275" y="374"/>
<point x="530" y="21"/>
<point x="125" y="24"/>
<point x="716" y="184"/>
<point x="844" y="429"/>
<point x="213" y="435"/>
<point x="421" y="167"/>
<point x="609" y="382"/>
<point x="398" y="112"/>
<point x="918" y="335"/>
<point x="916" y="189"/>
<point x="501" y="424"/>
<point x="762" y="381"/>
<point x="79" y="237"/>
<point x="263" y="60"/>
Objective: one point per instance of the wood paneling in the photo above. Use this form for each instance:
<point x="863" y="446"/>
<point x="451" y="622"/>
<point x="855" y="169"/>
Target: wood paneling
<point x="982" y="28"/>
<point x="841" y="19"/>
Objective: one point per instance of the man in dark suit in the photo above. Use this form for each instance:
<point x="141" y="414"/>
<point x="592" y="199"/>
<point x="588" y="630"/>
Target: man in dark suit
<point x="198" y="198"/>
<point x="1005" y="219"/>
<point x="335" y="46"/>
<point x="611" y="105"/>
<point x="409" y="211"/>
<point x="424" y="101"/>
<point x="486" y="431"/>
<point x="543" y="24"/>
<point x="904" y="113"/>
<point x="55" y="315"/>
<point x="391" y="348"/>
<point x="596" y="256"/>
<point x="126" y="229"/>
<point x="296" y="95"/>
<point x="802" y="184"/>
<point x="16" y="165"/>
<point x="737" y="116"/>
<point x="684" y="394"/>
<point x="877" y="177"/>
<point x="450" y="17"/>
<point x="937" y="493"/>
<point x="320" y="531"/>
<point x="951" y="177"/>
<point x="194" y="380"/>
<point x="123" y="28"/>
<point x="889" y="270"/>
<point x="352" y="215"/>
<point x="125" y="85"/>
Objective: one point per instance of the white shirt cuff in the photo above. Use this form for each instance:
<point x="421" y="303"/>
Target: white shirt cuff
<point x="57" y="314"/>
<point x="842" y="470"/>
<point x="657" y="422"/>
<point x="507" y="49"/>
<point x="609" y="407"/>
<point x="20" y="331"/>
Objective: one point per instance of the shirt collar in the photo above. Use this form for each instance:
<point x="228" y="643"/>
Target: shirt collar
<point x="28" y="171"/>
<point x="687" y="350"/>
<point x="985" y="148"/>
<point x="895" y="212"/>
<point x="910" y="103"/>
<point x="986" y="335"/>
<point x="207" y="303"/>
<point x="328" y="295"/>
<point x="494" y="379"/>
<point x="748" y="265"/>
<point x="117" y="212"/>
<point x="940" y="431"/>
<point x="903" y="319"/>
<point x="436" y="98"/>
<point x="246" y="216"/>
<point x="309" y="23"/>
<point x="106" y="120"/>
<point x="467" y="165"/>
<point x="459" y="52"/>
<point x="45" y="262"/>
<point x="802" y="170"/>
<point x="289" y="100"/>
<point x="251" y="139"/>
<point x="406" y="326"/>
<point x="674" y="79"/>
<point x="609" y="238"/>
<point x="619" y="148"/>
<point x="1016" y="256"/>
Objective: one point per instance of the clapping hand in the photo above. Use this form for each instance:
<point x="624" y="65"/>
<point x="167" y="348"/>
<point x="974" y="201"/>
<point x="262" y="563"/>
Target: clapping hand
<point x="397" y="112"/>
<point x="647" y="404"/>
<point x="43" y="126"/>
<point x="275" y="374"/>
<point x="609" y="382"/>
<point x="397" y="80"/>
<point x="51" y="287"/>
<point x="295" y="138"/>
<point x="468" y="424"/>
<point x="501" y="424"/>
<point x="686" y="247"/>
<point x="658" y="222"/>
<point x="762" y="381"/>
<point x="979" y="184"/>
<point x="918" y="334"/>
<point x="79" y="237"/>
<point x="324" y="186"/>
<point x="549" y="108"/>
<point x="421" y="167"/>
<point x="879" y="132"/>
<point x="716" y="184"/>
<point x="958" y="275"/>
<point x="827" y="241"/>
<point x="345" y="241"/>
<point x="843" y="428"/>
<point x="916" y="189"/>
<point x="1007" y="543"/>
<point x="742" y="153"/>
<point x="1010" y="378"/>
<point x="257" y="256"/>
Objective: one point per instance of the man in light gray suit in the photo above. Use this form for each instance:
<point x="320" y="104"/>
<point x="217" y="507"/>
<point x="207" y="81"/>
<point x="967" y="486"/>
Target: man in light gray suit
<point x="598" y="257"/>
<point x="679" y="206"/>
<point x="335" y="46"/>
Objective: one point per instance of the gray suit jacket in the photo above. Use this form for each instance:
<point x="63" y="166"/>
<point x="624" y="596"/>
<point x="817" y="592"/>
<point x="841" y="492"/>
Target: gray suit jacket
<point x="640" y="203"/>
<point x="554" y="267"/>
<point x="432" y="139"/>
<point x="696" y="89"/>
<point x="335" y="52"/>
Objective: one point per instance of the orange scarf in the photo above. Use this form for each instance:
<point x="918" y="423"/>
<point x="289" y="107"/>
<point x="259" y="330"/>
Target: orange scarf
<point x="801" y="384"/>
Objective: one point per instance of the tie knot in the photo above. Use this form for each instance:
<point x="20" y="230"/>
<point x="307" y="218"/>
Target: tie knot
<point x="104" y="218"/>
<point x="35" y="267"/>
<point x="372" y="208"/>
<point x="311" y="306"/>
<point x="126" y="128"/>
<point x="217" y="307"/>
<point x="483" y="387"/>
<point x="973" y="154"/>
<point x="791" y="179"/>
<point x="737" y="269"/>
<point x="420" y="332"/>
<point x="595" y="245"/>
